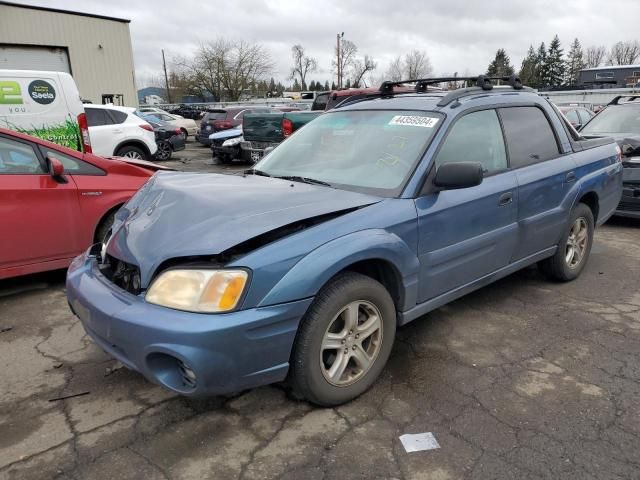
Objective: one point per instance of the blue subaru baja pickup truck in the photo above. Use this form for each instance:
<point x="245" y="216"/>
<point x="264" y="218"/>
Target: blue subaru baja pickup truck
<point x="365" y="219"/>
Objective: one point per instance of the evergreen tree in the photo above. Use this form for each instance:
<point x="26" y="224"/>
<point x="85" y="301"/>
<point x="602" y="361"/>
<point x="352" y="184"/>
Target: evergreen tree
<point x="279" y="89"/>
<point x="326" y="85"/>
<point x="575" y="63"/>
<point x="529" y="69"/>
<point x="296" y="85"/>
<point x="348" y="84"/>
<point x="312" y="85"/>
<point x="555" y="64"/>
<point x="541" y="66"/>
<point x="272" y="85"/>
<point x="501" y="65"/>
<point x="333" y="86"/>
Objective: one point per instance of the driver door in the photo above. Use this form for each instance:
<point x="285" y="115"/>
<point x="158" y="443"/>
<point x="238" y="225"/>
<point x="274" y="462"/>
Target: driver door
<point x="468" y="233"/>
<point x="38" y="214"/>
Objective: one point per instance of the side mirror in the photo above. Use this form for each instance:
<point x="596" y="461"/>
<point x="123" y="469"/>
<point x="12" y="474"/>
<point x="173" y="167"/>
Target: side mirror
<point x="453" y="175"/>
<point x="56" y="168"/>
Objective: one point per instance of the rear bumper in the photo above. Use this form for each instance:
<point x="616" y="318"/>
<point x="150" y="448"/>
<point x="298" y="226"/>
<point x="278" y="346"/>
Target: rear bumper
<point x="177" y="143"/>
<point x="225" y="352"/>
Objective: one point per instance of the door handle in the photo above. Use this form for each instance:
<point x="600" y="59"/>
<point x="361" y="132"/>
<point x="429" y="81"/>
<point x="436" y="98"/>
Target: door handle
<point x="505" y="199"/>
<point x="571" y="177"/>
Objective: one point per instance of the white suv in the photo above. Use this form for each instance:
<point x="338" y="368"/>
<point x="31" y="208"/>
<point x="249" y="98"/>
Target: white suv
<point x="116" y="131"/>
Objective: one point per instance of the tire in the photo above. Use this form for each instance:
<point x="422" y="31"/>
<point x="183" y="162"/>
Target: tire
<point x="164" y="151"/>
<point x="104" y="226"/>
<point x="311" y="370"/>
<point x="132" y="152"/>
<point x="564" y="266"/>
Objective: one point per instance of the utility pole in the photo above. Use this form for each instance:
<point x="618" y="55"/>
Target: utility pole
<point x="166" y="78"/>
<point x="338" y="61"/>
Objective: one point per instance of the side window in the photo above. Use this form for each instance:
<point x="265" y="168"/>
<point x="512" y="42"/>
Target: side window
<point x="73" y="166"/>
<point x="17" y="158"/>
<point x="529" y="136"/>
<point x="476" y="137"/>
<point x="117" y="116"/>
<point x="97" y="117"/>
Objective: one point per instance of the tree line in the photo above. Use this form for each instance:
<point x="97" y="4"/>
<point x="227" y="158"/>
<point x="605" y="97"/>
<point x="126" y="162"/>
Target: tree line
<point x="550" y="67"/>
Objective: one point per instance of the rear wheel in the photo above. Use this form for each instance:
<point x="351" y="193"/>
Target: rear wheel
<point x="344" y="340"/>
<point x="574" y="247"/>
<point x="164" y="150"/>
<point x="131" y="151"/>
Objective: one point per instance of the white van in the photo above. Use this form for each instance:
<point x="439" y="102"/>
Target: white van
<point x="45" y="105"/>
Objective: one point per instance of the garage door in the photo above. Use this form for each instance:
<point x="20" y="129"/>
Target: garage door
<point x="21" y="57"/>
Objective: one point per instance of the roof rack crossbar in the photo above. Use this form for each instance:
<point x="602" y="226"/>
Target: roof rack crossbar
<point x="482" y="81"/>
<point x="631" y="97"/>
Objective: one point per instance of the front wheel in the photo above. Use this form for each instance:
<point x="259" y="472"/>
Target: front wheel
<point x="574" y="247"/>
<point x="344" y="340"/>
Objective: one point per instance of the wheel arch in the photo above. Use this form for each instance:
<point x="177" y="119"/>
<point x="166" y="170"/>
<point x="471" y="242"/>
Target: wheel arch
<point x="591" y="200"/>
<point x="376" y="253"/>
<point x="133" y="143"/>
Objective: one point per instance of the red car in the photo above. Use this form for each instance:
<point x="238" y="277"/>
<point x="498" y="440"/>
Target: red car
<point x="55" y="202"/>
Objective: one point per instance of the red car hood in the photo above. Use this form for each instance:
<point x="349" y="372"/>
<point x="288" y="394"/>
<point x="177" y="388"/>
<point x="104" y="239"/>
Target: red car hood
<point x="141" y="163"/>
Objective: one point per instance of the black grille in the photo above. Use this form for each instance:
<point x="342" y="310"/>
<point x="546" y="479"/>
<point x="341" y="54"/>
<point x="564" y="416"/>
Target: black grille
<point x="124" y="275"/>
<point x="218" y="142"/>
<point x="629" y="206"/>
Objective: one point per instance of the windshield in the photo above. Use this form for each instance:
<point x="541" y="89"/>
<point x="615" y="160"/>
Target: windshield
<point x="368" y="151"/>
<point x="624" y="119"/>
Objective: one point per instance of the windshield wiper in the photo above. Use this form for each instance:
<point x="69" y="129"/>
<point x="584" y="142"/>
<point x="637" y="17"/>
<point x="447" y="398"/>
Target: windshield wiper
<point x="255" y="171"/>
<point x="296" y="178"/>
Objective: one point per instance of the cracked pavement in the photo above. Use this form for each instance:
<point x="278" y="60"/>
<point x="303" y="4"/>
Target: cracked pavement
<point x="522" y="379"/>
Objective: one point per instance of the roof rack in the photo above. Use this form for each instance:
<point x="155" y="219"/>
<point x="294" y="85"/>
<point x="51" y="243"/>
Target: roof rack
<point x="482" y="82"/>
<point x="631" y="98"/>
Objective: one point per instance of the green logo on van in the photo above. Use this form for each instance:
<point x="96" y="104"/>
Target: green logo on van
<point x="10" y="93"/>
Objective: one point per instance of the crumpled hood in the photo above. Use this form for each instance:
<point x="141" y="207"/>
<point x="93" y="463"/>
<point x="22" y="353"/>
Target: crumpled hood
<point x="191" y="214"/>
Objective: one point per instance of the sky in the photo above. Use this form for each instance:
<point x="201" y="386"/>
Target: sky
<point x="458" y="35"/>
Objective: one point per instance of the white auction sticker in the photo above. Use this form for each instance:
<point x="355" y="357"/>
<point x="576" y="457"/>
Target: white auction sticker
<point x="414" y="121"/>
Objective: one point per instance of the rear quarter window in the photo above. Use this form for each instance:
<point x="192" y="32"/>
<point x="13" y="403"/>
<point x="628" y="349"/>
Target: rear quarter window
<point x="97" y="117"/>
<point x="530" y="138"/>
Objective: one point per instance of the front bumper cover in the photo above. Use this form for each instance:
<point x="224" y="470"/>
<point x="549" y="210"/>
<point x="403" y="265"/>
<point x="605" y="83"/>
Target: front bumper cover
<point x="226" y="352"/>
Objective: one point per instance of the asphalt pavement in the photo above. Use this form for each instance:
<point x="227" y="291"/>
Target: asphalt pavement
<point x="525" y="378"/>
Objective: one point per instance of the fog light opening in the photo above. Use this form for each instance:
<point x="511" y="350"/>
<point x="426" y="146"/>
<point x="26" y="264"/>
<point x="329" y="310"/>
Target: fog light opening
<point x="172" y="372"/>
<point x="188" y="375"/>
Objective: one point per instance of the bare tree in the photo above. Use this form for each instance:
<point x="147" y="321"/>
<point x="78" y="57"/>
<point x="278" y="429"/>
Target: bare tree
<point x="361" y="67"/>
<point x="594" y="56"/>
<point x="302" y="65"/>
<point x="227" y="68"/>
<point x="624" y="53"/>
<point x="395" y="70"/>
<point x="417" y="64"/>
<point x="346" y="57"/>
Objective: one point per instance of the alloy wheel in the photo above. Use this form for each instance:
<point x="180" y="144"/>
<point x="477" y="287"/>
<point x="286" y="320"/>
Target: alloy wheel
<point x="577" y="243"/>
<point x="164" y="151"/>
<point x="351" y="343"/>
<point x="133" y="154"/>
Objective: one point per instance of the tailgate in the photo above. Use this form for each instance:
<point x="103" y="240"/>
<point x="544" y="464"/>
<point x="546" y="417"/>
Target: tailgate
<point x="263" y="127"/>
